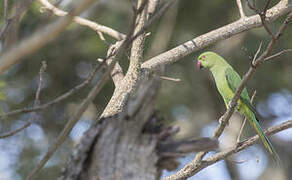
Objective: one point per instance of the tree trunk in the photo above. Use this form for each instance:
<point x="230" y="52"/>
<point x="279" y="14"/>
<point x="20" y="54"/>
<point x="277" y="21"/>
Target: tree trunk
<point x="120" y="146"/>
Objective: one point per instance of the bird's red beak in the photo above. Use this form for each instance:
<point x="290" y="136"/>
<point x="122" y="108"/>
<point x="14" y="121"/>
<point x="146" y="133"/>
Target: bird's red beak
<point x="199" y="65"/>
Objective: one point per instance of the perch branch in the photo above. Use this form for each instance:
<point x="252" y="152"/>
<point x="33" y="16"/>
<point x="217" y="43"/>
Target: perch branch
<point x="200" y="42"/>
<point x="222" y="155"/>
<point x="189" y="169"/>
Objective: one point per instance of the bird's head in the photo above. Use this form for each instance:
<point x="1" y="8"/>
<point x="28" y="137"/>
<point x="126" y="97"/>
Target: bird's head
<point x="208" y="60"/>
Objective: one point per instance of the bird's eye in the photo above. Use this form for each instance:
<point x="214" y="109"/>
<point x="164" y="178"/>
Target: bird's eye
<point x="203" y="56"/>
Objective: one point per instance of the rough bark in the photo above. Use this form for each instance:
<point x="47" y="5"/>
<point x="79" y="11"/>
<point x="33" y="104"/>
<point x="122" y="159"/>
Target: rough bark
<point x="131" y="144"/>
<point x="121" y="149"/>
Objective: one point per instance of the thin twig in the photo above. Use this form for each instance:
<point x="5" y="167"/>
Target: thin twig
<point x="36" y="103"/>
<point x="239" y="5"/>
<point x="244" y="120"/>
<point x="262" y="15"/>
<point x="278" y="54"/>
<point x="158" y="14"/>
<point x="257" y="53"/>
<point x="58" y="99"/>
<point x="12" y="133"/>
<point x="170" y="79"/>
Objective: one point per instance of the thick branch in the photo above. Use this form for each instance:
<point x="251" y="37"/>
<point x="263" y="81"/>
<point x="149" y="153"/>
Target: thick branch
<point x="209" y="38"/>
<point x="129" y="81"/>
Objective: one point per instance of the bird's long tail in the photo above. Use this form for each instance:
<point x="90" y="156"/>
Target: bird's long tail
<point x="264" y="139"/>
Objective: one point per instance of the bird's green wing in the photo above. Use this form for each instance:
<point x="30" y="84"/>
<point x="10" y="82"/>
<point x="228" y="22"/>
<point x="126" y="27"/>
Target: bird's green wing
<point x="233" y="81"/>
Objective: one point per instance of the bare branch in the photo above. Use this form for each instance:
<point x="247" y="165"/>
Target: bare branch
<point x="209" y="38"/>
<point x="58" y="99"/>
<point x="120" y="95"/>
<point x="257" y="53"/>
<point x="278" y="54"/>
<point x="190" y="169"/>
<point x="262" y="14"/>
<point x="170" y="79"/>
<point x="84" y="22"/>
<point x="36" y="103"/>
<point x="76" y="116"/>
<point x="161" y="11"/>
<point x="241" y="12"/>
<point x="222" y="155"/>
<point x="40" y="38"/>
<point x="12" y="133"/>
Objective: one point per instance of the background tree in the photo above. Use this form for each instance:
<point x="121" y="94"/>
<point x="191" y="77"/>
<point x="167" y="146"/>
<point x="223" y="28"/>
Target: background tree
<point x="153" y="83"/>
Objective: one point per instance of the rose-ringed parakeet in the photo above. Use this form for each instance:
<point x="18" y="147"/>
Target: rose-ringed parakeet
<point x="227" y="80"/>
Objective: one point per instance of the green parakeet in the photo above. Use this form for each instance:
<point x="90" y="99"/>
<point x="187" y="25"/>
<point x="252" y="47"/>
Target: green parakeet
<point x="227" y="80"/>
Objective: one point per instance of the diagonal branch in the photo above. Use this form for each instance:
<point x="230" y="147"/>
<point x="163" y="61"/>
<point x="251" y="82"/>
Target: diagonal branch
<point x="278" y="54"/>
<point x="209" y="38"/>
<point x="190" y="169"/>
<point x="222" y="155"/>
<point x="84" y="22"/>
